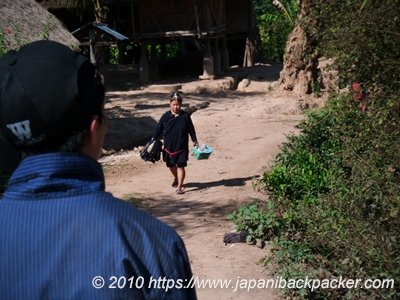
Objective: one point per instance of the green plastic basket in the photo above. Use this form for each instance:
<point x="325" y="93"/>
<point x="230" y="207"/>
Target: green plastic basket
<point x="205" y="154"/>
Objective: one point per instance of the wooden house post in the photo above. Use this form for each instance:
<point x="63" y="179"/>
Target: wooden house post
<point x="153" y="62"/>
<point x="121" y="53"/>
<point x="224" y="55"/>
<point x="208" y="65"/>
<point x="133" y="22"/>
<point x="163" y="54"/>
<point x="99" y="56"/>
<point x="182" y="44"/>
<point x="92" y="40"/>
<point x="143" y="63"/>
<point x="216" y="58"/>
<point x="250" y="50"/>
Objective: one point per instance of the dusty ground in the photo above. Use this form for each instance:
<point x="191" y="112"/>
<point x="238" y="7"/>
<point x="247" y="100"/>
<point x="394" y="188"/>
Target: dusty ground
<point x="244" y="128"/>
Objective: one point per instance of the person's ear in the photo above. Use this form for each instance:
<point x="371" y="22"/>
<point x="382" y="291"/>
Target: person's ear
<point x="93" y="126"/>
<point x="94" y="139"/>
<point x="91" y="129"/>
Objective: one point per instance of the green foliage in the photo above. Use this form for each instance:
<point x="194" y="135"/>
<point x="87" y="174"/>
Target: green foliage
<point x="79" y="7"/>
<point x="274" y="26"/>
<point x="316" y="88"/>
<point x="336" y="187"/>
<point x="10" y="39"/>
<point x="4" y="42"/>
<point x="171" y="50"/>
<point x="274" y="31"/>
<point x="262" y="6"/>
<point x="364" y="40"/>
<point x="260" y="222"/>
<point x="302" y="169"/>
<point x="46" y="31"/>
<point x="114" y="55"/>
<point x="267" y="7"/>
<point x="351" y="224"/>
<point x="337" y="182"/>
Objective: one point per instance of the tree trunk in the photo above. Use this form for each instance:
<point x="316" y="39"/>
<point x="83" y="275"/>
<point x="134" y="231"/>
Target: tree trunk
<point x="101" y="12"/>
<point x="300" y="67"/>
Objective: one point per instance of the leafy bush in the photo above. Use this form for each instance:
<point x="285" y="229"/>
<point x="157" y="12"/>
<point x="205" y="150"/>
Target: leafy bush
<point x="274" y="27"/>
<point x="300" y="174"/>
<point x="261" y="223"/>
<point x="337" y="182"/>
<point x="114" y="55"/>
<point x="336" y="187"/>
<point x="364" y="40"/>
<point x="274" y="30"/>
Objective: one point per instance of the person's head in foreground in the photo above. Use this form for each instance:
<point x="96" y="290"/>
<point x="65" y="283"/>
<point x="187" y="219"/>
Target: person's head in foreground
<point x="62" y="235"/>
<point x="175" y="103"/>
<point x="51" y="100"/>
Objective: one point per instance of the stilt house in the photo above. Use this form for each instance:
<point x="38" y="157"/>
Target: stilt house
<point x="218" y="28"/>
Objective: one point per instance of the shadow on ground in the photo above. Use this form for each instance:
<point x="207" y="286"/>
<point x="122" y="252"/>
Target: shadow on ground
<point x="195" y="186"/>
<point x="183" y="213"/>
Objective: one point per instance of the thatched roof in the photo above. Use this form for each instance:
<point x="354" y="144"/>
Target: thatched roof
<point x="57" y="4"/>
<point x="32" y="19"/>
<point x="50" y="4"/>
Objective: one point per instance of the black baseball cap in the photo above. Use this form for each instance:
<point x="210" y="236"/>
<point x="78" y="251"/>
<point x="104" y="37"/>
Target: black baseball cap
<point x="47" y="93"/>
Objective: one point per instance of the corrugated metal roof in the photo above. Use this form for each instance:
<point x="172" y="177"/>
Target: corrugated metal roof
<point x="105" y="29"/>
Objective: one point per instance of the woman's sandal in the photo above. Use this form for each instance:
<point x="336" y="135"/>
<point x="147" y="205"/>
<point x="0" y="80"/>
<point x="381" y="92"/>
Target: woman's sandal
<point x="174" y="184"/>
<point x="180" y="192"/>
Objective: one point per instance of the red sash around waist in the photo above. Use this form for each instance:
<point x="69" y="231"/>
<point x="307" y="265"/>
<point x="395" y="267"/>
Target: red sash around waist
<point x="172" y="153"/>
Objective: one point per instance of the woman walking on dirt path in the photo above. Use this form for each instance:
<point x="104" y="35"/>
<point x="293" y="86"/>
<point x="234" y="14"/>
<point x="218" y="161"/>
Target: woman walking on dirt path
<point x="176" y="125"/>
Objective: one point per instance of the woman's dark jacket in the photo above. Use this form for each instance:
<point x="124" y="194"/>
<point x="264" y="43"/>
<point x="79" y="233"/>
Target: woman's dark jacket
<point x="176" y="131"/>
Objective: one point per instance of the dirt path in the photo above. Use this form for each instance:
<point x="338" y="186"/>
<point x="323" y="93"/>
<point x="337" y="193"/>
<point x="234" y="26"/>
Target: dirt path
<point x="244" y="128"/>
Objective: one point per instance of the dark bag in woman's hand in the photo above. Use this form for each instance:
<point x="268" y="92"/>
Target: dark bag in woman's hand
<point x="152" y="151"/>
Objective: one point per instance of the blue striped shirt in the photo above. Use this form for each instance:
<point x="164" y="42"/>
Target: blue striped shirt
<point x="59" y="229"/>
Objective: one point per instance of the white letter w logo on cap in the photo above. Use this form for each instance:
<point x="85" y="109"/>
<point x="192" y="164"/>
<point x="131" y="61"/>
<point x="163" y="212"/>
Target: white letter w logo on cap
<point x="21" y="129"/>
